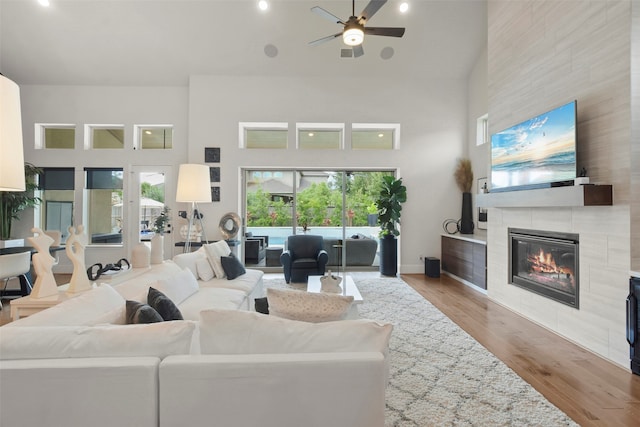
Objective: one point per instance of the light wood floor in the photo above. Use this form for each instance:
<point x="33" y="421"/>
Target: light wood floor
<point x="592" y="391"/>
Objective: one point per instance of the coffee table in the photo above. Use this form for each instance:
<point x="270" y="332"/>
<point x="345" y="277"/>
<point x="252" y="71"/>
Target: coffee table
<point x="314" y="286"/>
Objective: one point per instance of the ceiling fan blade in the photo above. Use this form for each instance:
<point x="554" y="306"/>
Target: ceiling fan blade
<point x="358" y="51"/>
<point x="384" y="31"/>
<point x="371" y="9"/>
<point x="324" y="39"/>
<point x="327" y="15"/>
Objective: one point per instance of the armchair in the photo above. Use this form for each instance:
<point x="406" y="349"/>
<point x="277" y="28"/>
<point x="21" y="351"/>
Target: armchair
<point x="304" y="256"/>
<point x="255" y="248"/>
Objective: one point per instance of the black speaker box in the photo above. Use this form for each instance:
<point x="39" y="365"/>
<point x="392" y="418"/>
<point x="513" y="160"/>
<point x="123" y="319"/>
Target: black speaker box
<point x="432" y="267"/>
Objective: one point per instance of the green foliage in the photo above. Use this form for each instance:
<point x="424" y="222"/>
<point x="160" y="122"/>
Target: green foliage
<point x="389" y="203"/>
<point x="153" y="192"/>
<point x="320" y="204"/>
<point x="14" y="202"/>
<point x="161" y="221"/>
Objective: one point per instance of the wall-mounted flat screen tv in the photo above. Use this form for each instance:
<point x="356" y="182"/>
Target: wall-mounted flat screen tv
<point x="539" y="152"/>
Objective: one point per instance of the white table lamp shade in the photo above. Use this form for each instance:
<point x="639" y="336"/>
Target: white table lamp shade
<point x="11" y="149"/>
<point x="194" y="184"/>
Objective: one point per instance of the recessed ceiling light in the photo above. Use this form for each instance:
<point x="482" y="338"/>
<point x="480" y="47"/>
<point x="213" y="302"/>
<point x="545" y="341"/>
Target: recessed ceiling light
<point x="44" y="2"/>
<point x="404" y="7"/>
<point x="263" y="5"/>
<point x="148" y="132"/>
<point x="310" y="133"/>
<point x="380" y="135"/>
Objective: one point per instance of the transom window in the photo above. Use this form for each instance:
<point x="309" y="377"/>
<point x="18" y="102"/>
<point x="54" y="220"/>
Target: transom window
<point x="324" y="136"/>
<point x="150" y="137"/>
<point x="104" y="137"/>
<point x="55" y="136"/>
<point x="264" y="135"/>
<point x="369" y="136"/>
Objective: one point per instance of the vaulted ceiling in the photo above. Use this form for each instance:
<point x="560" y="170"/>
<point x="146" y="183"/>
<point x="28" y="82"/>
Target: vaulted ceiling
<point x="163" y="42"/>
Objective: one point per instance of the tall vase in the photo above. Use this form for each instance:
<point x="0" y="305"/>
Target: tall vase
<point x="466" y="221"/>
<point x="157" y="249"/>
<point x="140" y="256"/>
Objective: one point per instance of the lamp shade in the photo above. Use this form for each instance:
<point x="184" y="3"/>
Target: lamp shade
<point x="11" y="149"/>
<point x="194" y="184"/>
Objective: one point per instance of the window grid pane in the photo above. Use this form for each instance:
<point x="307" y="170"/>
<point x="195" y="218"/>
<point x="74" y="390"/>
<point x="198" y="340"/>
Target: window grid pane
<point x="159" y="138"/>
<point x="59" y="138"/>
<point x="372" y="139"/>
<point x="266" y="138"/>
<point x="319" y="139"/>
<point x="107" y="138"/>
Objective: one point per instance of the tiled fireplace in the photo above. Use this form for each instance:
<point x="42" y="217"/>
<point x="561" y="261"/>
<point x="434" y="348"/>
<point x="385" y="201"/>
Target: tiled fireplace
<point x="545" y="263"/>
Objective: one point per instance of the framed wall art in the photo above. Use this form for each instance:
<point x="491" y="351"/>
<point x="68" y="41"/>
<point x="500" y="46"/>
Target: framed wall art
<point x="215" y="194"/>
<point x="214" y="174"/>
<point x="482" y="212"/>
<point x="212" y="154"/>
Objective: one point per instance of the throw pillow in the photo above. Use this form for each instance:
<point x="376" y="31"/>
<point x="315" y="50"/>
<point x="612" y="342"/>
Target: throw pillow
<point x="163" y="305"/>
<point x="232" y="266"/>
<point x="138" y="312"/>
<point x="307" y="306"/>
<point x="190" y="260"/>
<point x="262" y="305"/>
<point x="205" y="272"/>
<point x="178" y="287"/>
<point x="246" y="332"/>
<point x="214" y="252"/>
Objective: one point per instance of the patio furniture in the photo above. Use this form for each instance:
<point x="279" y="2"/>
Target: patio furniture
<point x="304" y="256"/>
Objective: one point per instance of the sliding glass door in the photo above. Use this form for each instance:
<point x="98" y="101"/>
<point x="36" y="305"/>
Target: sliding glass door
<point x="336" y="204"/>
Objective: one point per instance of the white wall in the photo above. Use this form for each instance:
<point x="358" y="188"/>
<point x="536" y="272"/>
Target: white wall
<point x="432" y="115"/>
<point x="82" y="105"/>
<point x="542" y="54"/>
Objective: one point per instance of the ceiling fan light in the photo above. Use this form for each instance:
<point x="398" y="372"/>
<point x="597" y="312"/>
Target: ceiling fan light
<point x="353" y="36"/>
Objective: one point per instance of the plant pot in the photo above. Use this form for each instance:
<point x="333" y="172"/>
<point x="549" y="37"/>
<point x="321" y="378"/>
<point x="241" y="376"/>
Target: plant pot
<point x="389" y="255"/>
<point x="466" y="221"/>
<point x="11" y="243"/>
<point x="157" y="249"/>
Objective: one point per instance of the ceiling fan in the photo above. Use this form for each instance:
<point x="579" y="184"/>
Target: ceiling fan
<point x="355" y="28"/>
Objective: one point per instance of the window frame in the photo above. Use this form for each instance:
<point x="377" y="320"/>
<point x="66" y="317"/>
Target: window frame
<point x="395" y="127"/>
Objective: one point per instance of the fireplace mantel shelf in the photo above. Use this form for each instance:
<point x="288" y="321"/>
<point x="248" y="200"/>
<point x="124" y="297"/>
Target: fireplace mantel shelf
<point x="571" y="196"/>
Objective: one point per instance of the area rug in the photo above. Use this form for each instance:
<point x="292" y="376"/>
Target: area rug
<point x="440" y="375"/>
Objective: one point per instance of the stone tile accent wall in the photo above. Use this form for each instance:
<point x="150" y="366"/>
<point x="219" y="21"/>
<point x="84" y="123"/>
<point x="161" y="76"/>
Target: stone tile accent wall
<point x="542" y="54"/>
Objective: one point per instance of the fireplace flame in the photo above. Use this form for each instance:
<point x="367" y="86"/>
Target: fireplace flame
<point x="543" y="262"/>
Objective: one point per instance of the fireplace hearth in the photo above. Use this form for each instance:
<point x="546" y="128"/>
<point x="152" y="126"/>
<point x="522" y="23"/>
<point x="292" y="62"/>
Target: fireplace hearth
<point x="546" y="263"/>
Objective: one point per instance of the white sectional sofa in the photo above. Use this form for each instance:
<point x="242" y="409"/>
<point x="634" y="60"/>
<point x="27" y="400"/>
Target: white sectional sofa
<point x="77" y="363"/>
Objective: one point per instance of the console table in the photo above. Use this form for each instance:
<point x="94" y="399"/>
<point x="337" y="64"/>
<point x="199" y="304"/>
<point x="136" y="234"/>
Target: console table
<point x="464" y="257"/>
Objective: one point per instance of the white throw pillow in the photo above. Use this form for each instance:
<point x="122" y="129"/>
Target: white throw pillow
<point x="307" y="306"/>
<point x="55" y="342"/>
<point x="190" y="260"/>
<point x="214" y="252"/>
<point x="178" y="287"/>
<point x="238" y="332"/>
<point x="205" y="272"/>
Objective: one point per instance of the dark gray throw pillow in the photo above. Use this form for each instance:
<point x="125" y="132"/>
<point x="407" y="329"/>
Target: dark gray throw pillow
<point x="262" y="305"/>
<point x="163" y="305"/>
<point x="137" y="312"/>
<point x="232" y="266"/>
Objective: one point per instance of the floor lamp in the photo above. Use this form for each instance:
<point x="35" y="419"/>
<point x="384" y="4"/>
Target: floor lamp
<point x="194" y="186"/>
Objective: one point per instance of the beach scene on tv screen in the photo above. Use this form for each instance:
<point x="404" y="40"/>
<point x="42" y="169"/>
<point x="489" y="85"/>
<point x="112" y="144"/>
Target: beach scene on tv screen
<point x="538" y="151"/>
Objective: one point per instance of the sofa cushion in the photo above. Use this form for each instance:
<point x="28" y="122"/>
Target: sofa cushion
<point x="178" y="287"/>
<point x="237" y="332"/>
<point x="133" y="288"/>
<point x="307" y="306"/>
<point x="190" y="260"/>
<point x="246" y="283"/>
<point x="137" y="312"/>
<point x="98" y="305"/>
<point x="214" y="252"/>
<point x="206" y="298"/>
<point x="163" y="305"/>
<point x="205" y="271"/>
<point x="54" y="342"/>
<point x="232" y="266"/>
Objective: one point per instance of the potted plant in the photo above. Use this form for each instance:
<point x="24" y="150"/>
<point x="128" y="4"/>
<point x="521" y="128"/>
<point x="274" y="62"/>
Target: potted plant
<point x="157" y="241"/>
<point x="389" y="204"/>
<point x="464" y="178"/>
<point x="14" y="202"/>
